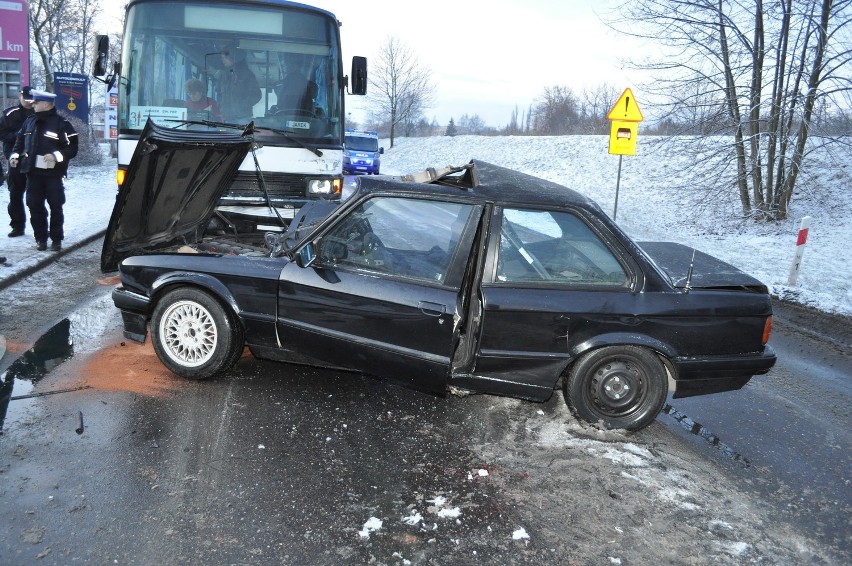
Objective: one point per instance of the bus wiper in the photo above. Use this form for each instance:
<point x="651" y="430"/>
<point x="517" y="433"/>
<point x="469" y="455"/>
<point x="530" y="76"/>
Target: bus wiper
<point x="249" y="128"/>
<point x="289" y="135"/>
<point x="208" y="123"/>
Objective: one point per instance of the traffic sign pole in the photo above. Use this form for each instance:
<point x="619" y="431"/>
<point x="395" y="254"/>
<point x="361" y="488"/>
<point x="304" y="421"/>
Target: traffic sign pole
<point x="617" y="185"/>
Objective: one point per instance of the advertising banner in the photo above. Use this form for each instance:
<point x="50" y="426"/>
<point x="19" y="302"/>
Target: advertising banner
<point x="15" y="38"/>
<point x="72" y="94"/>
<point x="111" y="116"/>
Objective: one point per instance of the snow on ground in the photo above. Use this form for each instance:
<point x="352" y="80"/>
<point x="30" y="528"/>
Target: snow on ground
<point x="653" y="205"/>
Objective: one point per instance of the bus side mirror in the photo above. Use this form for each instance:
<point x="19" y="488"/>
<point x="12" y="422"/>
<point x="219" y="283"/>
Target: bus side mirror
<point x="359" y="75"/>
<point x="100" y="56"/>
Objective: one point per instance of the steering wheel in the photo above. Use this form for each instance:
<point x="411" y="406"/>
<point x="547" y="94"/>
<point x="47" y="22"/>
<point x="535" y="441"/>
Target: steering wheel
<point x="293" y="112"/>
<point x="370" y="244"/>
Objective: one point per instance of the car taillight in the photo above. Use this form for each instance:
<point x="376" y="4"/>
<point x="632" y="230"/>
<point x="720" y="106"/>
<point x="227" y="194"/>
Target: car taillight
<point x="119" y="176"/>
<point x="767" y="330"/>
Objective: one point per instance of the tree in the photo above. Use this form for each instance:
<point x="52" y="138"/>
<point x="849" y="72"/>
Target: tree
<point x="755" y="71"/>
<point x="557" y="112"/>
<point x="595" y="104"/>
<point x="401" y="87"/>
<point x="61" y="31"/>
<point x="451" y="129"/>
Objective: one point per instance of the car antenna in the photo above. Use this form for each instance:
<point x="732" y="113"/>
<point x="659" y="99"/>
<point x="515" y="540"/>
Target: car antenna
<point x="689" y="273"/>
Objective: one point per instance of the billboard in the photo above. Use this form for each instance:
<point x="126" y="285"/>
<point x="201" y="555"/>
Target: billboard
<point x="72" y="94"/>
<point x="15" y="42"/>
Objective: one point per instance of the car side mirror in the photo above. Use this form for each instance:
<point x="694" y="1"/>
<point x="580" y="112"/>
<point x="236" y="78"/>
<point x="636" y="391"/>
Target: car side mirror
<point x="381" y="151"/>
<point x="306" y="255"/>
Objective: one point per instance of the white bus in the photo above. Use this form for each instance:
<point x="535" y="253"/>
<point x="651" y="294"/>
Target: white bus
<point x="215" y="65"/>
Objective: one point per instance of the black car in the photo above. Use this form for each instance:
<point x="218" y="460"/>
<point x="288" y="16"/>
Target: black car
<point x="476" y="277"/>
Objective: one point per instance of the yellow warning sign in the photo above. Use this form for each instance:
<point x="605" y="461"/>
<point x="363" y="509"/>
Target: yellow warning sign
<point x="622" y="138"/>
<point x="626" y="109"/>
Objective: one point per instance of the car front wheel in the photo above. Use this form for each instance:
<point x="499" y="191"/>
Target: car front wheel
<point x="620" y="386"/>
<point x="193" y="335"/>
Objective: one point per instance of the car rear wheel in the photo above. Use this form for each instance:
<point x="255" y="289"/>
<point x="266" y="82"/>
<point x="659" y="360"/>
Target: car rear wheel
<point x="193" y="335"/>
<point x="620" y="386"/>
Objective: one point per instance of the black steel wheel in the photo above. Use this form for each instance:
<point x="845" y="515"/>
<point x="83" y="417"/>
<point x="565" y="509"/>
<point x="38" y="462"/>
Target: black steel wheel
<point x="194" y="335"/>
<point x="619" y="386"/>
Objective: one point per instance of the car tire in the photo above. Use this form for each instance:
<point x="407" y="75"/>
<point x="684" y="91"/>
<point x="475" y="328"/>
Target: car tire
<point x="622" y="387"/>
<point x="194" y="335"/>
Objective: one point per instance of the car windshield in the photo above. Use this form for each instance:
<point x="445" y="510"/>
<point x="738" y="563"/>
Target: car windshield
<point x="278" y="66"/>
<point x="362" y="143"/>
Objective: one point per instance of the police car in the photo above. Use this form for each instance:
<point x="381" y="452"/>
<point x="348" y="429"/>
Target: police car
<point x="361" y="153"/>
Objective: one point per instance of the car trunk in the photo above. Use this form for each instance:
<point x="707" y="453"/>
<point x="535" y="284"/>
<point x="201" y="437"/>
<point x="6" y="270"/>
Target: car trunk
<point x="689" y="268"/>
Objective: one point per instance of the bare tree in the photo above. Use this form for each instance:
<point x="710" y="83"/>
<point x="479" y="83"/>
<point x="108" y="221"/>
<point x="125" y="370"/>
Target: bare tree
<point x="754" y="70"/>
<point x="401" y="88"/>
<point x="557" y="112"/>
<point x="61" y="33"/>
<point x="595" y="104"/>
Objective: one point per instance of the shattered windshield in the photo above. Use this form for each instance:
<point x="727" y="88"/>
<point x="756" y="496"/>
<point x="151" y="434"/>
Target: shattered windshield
<point x="278" y="66"/>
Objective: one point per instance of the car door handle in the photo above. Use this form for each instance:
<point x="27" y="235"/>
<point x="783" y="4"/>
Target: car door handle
<point x="432" y="309"/>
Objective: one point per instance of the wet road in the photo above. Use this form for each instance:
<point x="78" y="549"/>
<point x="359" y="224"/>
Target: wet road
<point x="283" y="464"/>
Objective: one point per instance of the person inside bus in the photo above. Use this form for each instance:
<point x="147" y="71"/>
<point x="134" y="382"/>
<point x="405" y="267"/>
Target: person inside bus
<point x="238" y="90"/>
<point x="296" y="95"/>
<point x="199" y="104"/>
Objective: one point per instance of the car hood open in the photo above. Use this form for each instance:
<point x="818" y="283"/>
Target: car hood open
<point x="173" y="184"/>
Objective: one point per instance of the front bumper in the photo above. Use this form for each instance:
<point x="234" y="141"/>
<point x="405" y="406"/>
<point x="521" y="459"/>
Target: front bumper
<point x="134" y="313"/>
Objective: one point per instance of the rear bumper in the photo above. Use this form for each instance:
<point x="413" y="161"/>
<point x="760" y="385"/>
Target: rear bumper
<point x="699" y="376"/>
<point x="134" y="313"/>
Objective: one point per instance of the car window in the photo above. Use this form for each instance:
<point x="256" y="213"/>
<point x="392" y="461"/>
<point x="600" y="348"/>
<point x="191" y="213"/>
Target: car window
<point x="405" y="237"/>
<point x="556" y="247"/>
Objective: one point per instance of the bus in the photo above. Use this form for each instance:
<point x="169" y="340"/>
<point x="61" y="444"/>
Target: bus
<point x="272" y="68"/>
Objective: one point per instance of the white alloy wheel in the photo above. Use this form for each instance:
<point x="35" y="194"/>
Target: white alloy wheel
<point x="188" y="333"/>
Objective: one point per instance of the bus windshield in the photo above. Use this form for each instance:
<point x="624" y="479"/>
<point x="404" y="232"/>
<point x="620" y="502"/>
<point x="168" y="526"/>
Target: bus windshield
<point x="277" y="65"/>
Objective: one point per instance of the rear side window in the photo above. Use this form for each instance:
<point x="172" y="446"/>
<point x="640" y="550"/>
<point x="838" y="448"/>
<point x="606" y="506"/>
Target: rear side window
<point x="404" y="237"/>
<point x="554" y="247"/>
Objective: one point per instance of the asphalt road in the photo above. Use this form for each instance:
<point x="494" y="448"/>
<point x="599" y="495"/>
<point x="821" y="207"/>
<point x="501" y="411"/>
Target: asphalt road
<point x="284" y="464"/>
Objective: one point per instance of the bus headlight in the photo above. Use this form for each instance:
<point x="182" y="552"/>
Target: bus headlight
<point x="324" y="186"/>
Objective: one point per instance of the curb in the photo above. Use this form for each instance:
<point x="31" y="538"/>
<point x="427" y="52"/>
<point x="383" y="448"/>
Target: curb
<point x="11" y="280"/>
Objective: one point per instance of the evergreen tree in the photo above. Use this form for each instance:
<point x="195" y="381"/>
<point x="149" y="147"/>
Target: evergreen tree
<point x="451" y="128"/>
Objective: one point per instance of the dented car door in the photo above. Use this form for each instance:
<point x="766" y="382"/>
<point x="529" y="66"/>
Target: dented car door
<point x="383" y="294"/>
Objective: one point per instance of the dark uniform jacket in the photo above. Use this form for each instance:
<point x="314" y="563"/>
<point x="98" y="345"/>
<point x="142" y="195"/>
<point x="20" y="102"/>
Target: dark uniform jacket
<point x="42" y="133"/>
<point x="10" y="122"/>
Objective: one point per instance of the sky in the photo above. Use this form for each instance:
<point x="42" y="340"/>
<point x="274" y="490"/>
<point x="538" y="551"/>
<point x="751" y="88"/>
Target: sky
<point x="486" y="57"/>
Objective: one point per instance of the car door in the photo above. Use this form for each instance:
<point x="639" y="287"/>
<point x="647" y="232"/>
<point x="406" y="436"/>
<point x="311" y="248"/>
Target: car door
<point x="550" y="277"/>
<point x="383" y="294"/>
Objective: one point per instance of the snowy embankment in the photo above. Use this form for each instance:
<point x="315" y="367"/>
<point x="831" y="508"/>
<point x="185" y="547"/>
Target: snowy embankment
<point x="658" y="200"/>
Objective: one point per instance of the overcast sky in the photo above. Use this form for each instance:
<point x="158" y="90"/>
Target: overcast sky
<point x="488" y="57"/>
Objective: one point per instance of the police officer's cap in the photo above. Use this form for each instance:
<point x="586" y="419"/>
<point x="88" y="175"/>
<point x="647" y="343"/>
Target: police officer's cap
<point x="40" y="95"/>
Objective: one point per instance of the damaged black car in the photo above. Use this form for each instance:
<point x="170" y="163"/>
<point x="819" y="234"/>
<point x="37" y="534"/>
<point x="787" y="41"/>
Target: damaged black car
<point x="475" y="277"/>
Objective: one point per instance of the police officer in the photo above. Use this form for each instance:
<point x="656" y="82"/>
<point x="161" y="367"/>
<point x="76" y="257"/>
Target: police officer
<point x="44" y="146"/>
<point x="11" y="121"/>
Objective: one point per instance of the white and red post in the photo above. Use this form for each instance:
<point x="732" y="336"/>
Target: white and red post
<point x="800" y="250"/>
